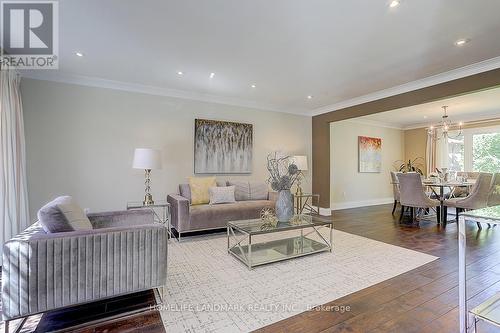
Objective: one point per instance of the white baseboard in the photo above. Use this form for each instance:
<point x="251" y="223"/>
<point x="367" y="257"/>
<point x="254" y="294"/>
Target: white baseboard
<point x="361" y="203"/>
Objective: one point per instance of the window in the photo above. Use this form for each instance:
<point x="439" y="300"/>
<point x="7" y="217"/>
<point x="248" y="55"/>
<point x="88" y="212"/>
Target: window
<point x="486" y="152"/>
<point x="477" y="149"/>
<point x="456" y="153"/>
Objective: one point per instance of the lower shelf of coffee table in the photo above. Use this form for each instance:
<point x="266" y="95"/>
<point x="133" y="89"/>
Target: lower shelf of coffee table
<point x="277" y="250"/>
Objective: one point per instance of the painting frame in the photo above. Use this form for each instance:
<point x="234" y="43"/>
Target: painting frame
<point x="222" y="147"/>
<point x="369" y="154"/>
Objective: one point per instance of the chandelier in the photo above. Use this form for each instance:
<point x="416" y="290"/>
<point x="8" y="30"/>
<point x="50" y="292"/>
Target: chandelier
<point x="444" y="126"/>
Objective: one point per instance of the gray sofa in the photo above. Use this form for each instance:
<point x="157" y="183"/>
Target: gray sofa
<point x="125" y="252"/>
<point x="188" y="218"/>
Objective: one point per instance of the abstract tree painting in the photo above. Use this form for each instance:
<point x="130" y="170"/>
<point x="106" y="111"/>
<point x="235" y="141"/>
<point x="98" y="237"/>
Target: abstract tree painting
<point x="222" y="147"/>
<point x="370" y="154"/>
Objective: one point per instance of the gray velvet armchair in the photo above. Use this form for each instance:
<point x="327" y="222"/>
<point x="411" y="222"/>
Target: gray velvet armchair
<point x="125" y="252"/>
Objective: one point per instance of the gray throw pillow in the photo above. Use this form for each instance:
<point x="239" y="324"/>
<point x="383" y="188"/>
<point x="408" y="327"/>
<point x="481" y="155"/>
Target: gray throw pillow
<point x="241" y="190"/>
<point x="258" y="191"/>
<point x="63" y="214"/>
<point x="185" y="191"/>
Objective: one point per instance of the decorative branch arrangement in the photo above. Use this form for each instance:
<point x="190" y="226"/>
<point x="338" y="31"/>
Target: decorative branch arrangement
<point x="411" y="166"/>
<point x="282" y="173"/>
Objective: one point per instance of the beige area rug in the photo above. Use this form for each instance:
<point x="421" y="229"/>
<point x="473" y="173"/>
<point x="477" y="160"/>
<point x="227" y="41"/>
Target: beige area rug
<point x="211" y="291"/>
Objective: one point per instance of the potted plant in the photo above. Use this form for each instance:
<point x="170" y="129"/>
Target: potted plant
<point x="415" y="165"/>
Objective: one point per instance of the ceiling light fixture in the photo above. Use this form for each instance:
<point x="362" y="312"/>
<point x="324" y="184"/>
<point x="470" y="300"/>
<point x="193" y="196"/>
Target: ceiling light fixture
<point x="462" y="42"/>
<point x="394" y="3"/>
<point x="253" y="86"/>
<point x="79" y="54"/>
<point x="309" y="97"/>
<point x="180" y="73"/>
<point x="445" y="126"/>
<point x="212" y="75"/>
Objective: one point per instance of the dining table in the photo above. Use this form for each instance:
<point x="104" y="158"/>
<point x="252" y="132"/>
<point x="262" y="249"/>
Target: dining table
<point x="438" y="189"/>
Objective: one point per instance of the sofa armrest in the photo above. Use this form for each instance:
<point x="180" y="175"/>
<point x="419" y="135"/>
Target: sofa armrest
<point x="179" y="212"/>
<point x="121" y="218"/>
<point x="45" y="271"/>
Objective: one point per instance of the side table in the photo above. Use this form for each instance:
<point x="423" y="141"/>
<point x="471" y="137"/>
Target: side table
<point x="305" y="201"/>
<point x="160" y="209"/>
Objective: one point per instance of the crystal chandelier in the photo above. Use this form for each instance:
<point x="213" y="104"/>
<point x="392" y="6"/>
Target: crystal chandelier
<point x="445" y="126"/>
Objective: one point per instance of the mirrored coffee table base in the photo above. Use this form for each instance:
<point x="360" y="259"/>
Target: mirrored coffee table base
<point x="245" y="245"/>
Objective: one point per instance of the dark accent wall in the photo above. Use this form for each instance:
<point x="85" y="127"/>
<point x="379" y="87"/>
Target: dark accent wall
<point x="321" y="123"/>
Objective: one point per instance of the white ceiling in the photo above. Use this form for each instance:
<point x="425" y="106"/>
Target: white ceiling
<point x="333" y="50"/>
<point x="476" y="106"/>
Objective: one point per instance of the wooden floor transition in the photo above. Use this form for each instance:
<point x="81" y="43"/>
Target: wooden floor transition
<point x="422" y="300"/>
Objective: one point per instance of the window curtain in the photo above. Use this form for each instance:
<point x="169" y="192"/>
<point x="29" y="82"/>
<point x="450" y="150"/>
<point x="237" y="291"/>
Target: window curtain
<point x="442" y="153"/>
<point x="430" y="155"/>
<point x="14" y="213"/>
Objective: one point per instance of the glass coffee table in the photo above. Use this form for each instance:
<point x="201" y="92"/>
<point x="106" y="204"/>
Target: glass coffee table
<point x="299" y="237"/>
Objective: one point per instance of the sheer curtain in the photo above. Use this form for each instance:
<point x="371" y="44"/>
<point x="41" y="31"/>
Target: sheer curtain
<point x="430" y="155"/>
<point x="442" y="151"/>
<point x="14" y="213"/>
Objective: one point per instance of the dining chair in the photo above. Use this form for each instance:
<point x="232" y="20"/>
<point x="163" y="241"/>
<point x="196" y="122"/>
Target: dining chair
<point x="478" y="197"/>
<point x="494" y="195"/>
<point x="395" y="189"/>
<point x="412" y="195"/>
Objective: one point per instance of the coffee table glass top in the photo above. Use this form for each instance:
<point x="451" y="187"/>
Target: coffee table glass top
<point x="258" y="226"/>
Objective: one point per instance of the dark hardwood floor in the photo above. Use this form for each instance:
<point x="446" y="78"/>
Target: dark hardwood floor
<point x="422" y="300"/>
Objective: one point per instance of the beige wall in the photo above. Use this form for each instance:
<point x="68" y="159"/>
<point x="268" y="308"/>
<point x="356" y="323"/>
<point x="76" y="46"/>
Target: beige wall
<point x="80" y="141"/>
<point x="415" y="145"/>
<point x="348" y="187"/>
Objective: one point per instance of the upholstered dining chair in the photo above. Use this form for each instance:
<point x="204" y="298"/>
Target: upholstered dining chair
<point x="413" y="195"/>
<point x="478" y="197"/>
<point x="395" y="190"/>
<point x="494" y="195"/>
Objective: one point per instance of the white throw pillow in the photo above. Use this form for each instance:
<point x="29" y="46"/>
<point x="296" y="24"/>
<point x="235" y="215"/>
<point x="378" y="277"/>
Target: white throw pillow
<point x="220" y="195"/>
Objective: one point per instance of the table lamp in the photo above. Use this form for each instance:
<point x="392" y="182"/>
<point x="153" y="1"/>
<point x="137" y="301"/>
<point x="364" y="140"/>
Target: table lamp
<point x="147" y="159"/>
<point x="301" y="162"/>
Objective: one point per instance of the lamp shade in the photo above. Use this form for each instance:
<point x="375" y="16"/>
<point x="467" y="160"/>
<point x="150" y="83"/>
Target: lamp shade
<point x="147" y="159"/>
<point x="301" y="162"/>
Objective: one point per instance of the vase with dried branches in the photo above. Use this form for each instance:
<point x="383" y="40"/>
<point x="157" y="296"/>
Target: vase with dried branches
<point x="283" y="173"/>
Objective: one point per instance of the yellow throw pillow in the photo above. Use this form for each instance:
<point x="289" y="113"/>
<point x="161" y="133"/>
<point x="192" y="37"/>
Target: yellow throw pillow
<point x="199" y="189"/>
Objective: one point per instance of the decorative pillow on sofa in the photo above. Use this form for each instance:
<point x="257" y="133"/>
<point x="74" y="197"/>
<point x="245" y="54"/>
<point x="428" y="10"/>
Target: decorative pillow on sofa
<point x="249" y="191"/>
<point x="241" y="190"/>
<point x="199" y="189"/>
<point x="219" y="195"/>
<point x="259" y="191"/>
<point x="63" y="214"/>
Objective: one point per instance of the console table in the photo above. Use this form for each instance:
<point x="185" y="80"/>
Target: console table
<point x="489" y="310"/>
<point x="305" y="202"/>
<point x="160" y="209"/>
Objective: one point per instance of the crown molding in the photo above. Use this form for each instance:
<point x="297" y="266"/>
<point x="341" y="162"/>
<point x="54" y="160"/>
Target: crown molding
<point x="451" y="75"/>
<point x="158" y="91"/>
<point x="376" y="123"/>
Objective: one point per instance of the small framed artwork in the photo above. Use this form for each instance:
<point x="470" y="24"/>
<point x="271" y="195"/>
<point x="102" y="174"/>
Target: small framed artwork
<point x="369" y="154"/>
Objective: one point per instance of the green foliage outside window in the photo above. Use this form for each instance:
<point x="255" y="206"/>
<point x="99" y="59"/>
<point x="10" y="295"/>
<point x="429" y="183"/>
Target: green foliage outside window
<point x="486" y="152"/>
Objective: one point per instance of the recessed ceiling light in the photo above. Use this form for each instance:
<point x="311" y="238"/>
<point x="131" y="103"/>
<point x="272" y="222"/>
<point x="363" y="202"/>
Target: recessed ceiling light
<point x="212" y="75"/>
<point x="180" y="73"/>
<point x="253" y="86"/>
<point x="462" y="42"/>
<point x="79" y="54"/>
<point x="309" y="97"/>
<point x="394" y="3"/>
<point x="425" y="117"/>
